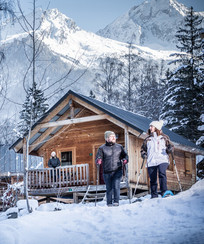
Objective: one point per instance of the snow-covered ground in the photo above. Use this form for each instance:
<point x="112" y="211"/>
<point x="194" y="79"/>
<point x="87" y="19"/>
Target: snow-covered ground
<point x="177" y="219"/>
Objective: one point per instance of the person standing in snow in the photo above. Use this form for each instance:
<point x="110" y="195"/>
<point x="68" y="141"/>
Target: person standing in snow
<point x="53" y="163"/>
<point x="156" y="148"/>
<point x="112" y="156"/>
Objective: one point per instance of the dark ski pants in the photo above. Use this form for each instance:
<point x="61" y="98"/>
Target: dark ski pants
<point x="112" y="181"/>
<point x="152" y="171"/>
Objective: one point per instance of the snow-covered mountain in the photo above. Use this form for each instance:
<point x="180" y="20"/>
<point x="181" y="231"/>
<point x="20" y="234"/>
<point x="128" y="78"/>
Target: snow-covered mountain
<point x="65" y="48"/>
<point x="152" y="23"/>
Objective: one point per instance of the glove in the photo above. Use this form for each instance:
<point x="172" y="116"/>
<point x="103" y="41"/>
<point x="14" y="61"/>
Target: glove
<point x="99" y="161"/>
<point x="143" y="155"/>
<point x="169" y="149"/>
<point x="124" y="161"/>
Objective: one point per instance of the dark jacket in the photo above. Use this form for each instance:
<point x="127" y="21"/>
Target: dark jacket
<point x="112" y="156"/>
<point x="53" y="162"/>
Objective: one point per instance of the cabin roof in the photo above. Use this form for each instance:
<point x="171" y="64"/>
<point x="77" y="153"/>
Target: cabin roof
<point x="133" y="120"/>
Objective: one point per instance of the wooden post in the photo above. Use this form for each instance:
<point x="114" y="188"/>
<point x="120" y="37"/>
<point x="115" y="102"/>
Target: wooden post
<point x="127" y="139"/>
<point x="75" y="197"/>
<point x="48" y="200"/>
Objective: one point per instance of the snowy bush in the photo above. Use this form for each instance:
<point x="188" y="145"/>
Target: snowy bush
<point x="10" y="196"/>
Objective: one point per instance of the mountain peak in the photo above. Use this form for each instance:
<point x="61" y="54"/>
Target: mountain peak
<point x="152" y="23"/>
<point x="153" y="8"/>
<point x="59" y="19"/>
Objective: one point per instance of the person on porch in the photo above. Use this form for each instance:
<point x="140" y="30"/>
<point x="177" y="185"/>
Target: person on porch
<point x="53" y="163"/>
<point x="112" y="156"/>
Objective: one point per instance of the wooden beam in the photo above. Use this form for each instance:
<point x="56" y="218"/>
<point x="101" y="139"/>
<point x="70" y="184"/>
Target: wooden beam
<point x="48" y="117"/>
<point x="50" y="130"/>
<point x="123" y="126"/>
<point x="74" y="121"/>
<point x="45" y="134"/>
<point x="88" y="106"/>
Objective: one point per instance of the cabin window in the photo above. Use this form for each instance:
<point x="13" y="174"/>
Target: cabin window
<point x="66" y="158"/>
<point x="188" y="164"/>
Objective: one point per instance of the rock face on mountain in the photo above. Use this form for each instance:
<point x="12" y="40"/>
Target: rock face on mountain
<point x="152" y="23"/>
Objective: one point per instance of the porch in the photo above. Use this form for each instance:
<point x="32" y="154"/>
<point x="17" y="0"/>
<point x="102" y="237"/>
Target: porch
<point x="50" y="183"/>
<point x="65" y="176"/>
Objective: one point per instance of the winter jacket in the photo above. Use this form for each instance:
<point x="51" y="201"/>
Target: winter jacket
<point x="53" y="162"/>
<point x="156" y="148"/>
<point x="112" y="156"/>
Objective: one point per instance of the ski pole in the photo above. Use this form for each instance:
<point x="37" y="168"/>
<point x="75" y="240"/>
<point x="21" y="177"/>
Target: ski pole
<point x="176" y="171"/>
<point x="97" y="176"/>
<point x="138" y="178"/>
<point x="127" y="181"/>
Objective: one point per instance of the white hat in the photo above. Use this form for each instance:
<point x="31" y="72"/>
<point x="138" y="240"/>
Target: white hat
<point x="157" y="124"/>
<point x="53" y="154"/>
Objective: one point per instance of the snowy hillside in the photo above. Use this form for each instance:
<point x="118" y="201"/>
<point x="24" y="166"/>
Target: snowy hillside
<point x="178" y="219"/>
<point x="152" y="23"/>
<point x="65" y="47"/>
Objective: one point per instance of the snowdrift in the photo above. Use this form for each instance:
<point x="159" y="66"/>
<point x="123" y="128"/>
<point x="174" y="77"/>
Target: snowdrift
<point x="176" y="219"/>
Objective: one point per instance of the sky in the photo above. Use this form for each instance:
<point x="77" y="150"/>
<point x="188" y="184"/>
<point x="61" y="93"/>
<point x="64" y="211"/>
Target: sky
<point x="92" y="15"/>
<point x="178" y="219"/>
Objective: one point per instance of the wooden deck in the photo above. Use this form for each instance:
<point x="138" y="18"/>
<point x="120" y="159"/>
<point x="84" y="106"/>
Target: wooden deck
<point x="60" y="177"/>
<point x="62" y="181"/>
<point x="63" y="191"/>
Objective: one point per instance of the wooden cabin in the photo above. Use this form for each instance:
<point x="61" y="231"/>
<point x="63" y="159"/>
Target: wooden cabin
<point x="74" y="128"/>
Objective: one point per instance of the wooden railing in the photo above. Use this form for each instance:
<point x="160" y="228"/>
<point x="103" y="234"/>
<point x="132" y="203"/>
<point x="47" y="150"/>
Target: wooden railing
<point x="59" y="177"/>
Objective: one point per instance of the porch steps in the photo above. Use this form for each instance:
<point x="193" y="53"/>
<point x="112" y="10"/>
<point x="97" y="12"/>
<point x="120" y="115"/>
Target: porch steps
<point x="93" y="196"/>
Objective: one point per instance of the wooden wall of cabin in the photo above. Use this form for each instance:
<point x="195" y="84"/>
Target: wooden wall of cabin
<point x="84" y="139"/>
<point x="186" y="166"/>
<point x="185" y="162"/>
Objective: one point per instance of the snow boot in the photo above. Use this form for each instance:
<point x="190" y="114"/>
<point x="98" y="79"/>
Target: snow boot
<point x="167" y="193"/>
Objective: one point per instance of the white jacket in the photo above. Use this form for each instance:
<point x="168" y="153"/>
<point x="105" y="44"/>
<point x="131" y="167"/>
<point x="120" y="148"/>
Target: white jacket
<point x="156" y="150"/>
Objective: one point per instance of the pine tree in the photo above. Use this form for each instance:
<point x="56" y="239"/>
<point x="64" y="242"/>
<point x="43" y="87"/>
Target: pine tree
<point x="108" y="78"/>
<point x="33" y="108"/>
<point x="130" y="76"/>
<point x="150" y="93"/>
<point x="200" y="70"/>
<point x="183" y="103"/>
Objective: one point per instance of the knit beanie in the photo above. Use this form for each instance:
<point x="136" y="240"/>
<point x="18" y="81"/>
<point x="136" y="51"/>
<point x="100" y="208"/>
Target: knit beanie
<point x="107" y="134"/>
<point x="157" y="124"/>
<point x="53" y="154"/>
